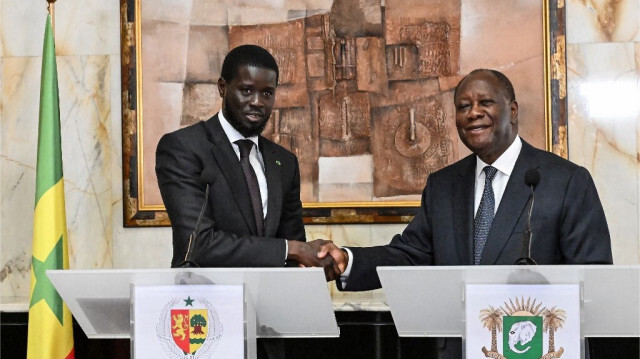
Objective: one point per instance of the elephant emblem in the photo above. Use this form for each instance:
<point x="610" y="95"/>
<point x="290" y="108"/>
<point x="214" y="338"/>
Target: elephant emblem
<point x="522" y="333"/>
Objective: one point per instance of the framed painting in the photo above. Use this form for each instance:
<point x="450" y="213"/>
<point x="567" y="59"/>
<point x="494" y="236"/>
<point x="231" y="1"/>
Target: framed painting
<point x="365" y="96"/>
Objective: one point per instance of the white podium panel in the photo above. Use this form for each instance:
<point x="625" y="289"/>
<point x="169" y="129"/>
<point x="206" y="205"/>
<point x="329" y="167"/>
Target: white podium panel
<point x="288" y="302"/>
<point x="429" y="301"/>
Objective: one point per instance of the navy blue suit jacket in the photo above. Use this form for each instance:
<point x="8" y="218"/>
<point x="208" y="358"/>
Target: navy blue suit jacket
<point x="568" y="222"/>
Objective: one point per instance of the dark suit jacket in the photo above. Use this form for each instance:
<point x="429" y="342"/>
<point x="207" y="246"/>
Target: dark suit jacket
<point x="568" y="222"/>
<point x="227" y="234"/>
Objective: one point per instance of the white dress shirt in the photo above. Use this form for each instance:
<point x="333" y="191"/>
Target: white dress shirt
<point x="504" y="164"/>
<point x="255" y="158"/>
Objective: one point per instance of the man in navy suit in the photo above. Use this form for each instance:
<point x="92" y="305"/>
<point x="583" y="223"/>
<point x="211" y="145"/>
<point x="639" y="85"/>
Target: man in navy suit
<point x="237" y="229"/>
<point x="568" y="222"/>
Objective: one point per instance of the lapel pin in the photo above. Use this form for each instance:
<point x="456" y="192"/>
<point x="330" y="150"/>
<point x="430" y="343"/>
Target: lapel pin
<point x="278" y="162"/>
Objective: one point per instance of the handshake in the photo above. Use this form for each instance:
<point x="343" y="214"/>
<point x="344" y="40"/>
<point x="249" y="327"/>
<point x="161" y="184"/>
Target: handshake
<point x="320" y="253"/>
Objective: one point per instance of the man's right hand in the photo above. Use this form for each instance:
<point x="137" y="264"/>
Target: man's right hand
<point x="307" y="254"/>
<point x="339" y="255"/>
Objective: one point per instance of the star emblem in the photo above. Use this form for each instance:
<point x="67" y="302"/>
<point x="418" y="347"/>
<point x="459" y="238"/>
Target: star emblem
<point x="188" y="301"/>
<point x="43" y="289"/>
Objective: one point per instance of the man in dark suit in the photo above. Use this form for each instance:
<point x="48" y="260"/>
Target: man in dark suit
<point x="254" y="215"/>
<point x="463" y="222"/>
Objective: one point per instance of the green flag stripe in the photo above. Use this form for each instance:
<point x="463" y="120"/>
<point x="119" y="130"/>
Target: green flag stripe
<point x="49" y="170"/>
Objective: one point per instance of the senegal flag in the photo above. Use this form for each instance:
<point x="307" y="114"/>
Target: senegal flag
<point x="50" y="325"/>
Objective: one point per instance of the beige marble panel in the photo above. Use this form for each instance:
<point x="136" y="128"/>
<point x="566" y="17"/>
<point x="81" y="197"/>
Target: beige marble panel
<point x="85" y="112"/>
<point x="22" y="27"/>
<point x="637" y="48"/>
<point x="20" y="88"/>
<point x="1" y="32"/>
<point x="79" y="27"/>
<point x="604" y="114"/>
<point x="637" y="38"/>
<point x="602" y="20"/>
<point x="381" y="234"/>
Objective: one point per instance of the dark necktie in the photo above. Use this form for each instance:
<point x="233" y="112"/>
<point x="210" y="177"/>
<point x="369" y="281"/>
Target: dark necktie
<point x="252" y="183"/>
<point x="484" y="217"/>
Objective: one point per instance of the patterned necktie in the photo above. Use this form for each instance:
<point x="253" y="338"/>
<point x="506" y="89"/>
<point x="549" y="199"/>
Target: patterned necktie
<point x="484" y="216"/>
<point x="252" y="183"/>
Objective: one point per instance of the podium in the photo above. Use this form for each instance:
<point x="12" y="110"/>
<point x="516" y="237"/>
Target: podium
<point x="279" y="302"/>
<point x="430" y="301"/>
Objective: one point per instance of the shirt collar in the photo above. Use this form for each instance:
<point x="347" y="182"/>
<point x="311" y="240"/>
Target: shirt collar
<point x="505" y="162"/>
<point x="232" y="134"/>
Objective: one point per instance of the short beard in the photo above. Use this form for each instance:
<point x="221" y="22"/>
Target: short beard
<point x="246" y="129"/>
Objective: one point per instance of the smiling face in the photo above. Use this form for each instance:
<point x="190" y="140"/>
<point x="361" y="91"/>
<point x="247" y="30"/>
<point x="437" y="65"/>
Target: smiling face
<point x="486" y="119"/>
<point x="248" y="98"/>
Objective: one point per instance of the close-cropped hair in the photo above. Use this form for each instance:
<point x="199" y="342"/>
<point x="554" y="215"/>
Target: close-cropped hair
<point x="251" y="55"/>
<point x="506" y="83"/>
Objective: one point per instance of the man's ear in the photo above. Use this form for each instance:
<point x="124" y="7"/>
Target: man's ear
<point x="222" y="87"/>
<point x="514" y="112"/>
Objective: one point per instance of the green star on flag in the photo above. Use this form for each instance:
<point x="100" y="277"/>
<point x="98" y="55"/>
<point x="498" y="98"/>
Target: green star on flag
<point x="188" y="301"/>
<point x="43" y="289"/>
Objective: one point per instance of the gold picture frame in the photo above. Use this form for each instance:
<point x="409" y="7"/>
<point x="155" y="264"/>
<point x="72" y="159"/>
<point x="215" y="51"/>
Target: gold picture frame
<point x="333" y="51"/>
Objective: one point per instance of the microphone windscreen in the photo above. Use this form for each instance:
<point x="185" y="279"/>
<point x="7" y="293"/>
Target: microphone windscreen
<point x="532" y="177"/>
<point x="207" y="176"/>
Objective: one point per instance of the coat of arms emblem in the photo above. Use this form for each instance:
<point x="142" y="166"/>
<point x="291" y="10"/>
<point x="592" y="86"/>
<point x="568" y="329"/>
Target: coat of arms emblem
<point x="523" y="324"/>
<point x="188" y="331"/>
<point x="189" y="328"/>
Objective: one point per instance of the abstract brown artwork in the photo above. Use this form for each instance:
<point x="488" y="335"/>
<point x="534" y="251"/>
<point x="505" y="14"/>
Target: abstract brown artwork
<point x="365" y="94"/>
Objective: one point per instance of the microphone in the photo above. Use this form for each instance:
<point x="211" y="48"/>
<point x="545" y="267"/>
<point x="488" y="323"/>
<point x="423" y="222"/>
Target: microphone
<point x="206" y="177"/>
<point x="531" y="179"/>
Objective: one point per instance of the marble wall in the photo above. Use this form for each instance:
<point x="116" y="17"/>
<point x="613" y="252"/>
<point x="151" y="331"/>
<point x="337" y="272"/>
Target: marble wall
<point x="603" y="48"/>
<point x="603" y="89"/>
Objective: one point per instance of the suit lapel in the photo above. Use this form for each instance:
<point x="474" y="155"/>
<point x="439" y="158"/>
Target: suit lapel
<point x="230" y="167"/>
<point x="463" y="189"/>
<point x="510" y="208"/>
<point x="274" y="186"/>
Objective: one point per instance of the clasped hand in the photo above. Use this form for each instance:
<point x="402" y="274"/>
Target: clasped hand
<point x="320" y="253"/>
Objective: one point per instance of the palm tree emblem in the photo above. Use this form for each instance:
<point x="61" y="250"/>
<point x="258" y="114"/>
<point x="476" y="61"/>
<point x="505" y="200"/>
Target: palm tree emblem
<point x="552" y="320"/>
<point x="492" y="319"/>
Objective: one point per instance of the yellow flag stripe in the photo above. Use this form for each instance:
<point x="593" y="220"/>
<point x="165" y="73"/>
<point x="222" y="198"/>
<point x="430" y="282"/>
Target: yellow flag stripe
<point x="54" y="341"/>
<point x="49" y="223"/>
